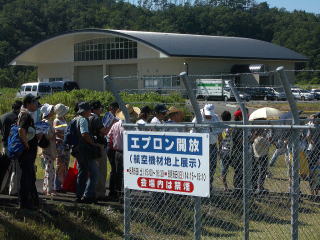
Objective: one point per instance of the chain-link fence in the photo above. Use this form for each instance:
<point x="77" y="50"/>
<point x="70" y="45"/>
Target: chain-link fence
<point x="264" y="176"/>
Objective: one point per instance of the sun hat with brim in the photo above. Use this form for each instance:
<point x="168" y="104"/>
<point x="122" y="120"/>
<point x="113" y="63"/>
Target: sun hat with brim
<point x="133" y="112"/>
<point x="172" y="110"/>
<point x="46" y="109"/>
<point x="208" y="110"/>
<point x="83" y="107"/>
<point x="61" y="110"/>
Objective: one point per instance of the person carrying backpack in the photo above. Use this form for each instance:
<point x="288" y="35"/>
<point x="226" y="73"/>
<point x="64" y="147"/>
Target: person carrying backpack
<point x="13" y="172"/>
<point x="88" y="152"/>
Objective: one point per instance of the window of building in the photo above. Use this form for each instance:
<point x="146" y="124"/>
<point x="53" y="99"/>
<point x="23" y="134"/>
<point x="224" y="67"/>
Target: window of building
<point x="55" y="79"/>
<point x="105" y="49"/>
<point x="161" y="81"/>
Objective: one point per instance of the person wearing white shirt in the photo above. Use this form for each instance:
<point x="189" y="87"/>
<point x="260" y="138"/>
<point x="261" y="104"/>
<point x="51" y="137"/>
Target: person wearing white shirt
<point x="144" y="115"/>
<point x="160" y="112"/>
<point x="209" y="116"/>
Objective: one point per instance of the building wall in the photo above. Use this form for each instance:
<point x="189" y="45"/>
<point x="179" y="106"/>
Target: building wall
<point x="150" y="62"/>
<point x="90" y="77"/>
<point x="55" y="70"/>
<point x="147" y="52"/>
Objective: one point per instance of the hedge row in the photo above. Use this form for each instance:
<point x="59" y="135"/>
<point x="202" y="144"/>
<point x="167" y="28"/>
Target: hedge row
<point x="71" y="98"/>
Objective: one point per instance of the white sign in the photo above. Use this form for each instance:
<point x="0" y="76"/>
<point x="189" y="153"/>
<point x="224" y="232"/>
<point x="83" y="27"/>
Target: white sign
<point x="168" y="162"/>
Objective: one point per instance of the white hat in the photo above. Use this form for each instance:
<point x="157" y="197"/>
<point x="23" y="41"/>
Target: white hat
<point x="46" y="109"/>
<point x="208" y="110"/>
<point x="61" y="110"/>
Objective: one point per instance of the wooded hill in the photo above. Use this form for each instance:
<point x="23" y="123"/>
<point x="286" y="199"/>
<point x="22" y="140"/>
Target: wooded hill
<point x="26" y="22"/>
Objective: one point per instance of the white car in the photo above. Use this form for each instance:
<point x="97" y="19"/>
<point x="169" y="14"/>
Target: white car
<point x="302" y="94"/>
<point x="36" y="89"/>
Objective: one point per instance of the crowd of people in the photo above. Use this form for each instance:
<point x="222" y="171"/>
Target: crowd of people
<point x="93" y="138"/>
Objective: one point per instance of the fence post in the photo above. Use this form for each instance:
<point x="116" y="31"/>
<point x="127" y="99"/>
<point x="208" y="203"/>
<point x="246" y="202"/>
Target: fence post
<point x="127" y="197"/>
<point x="294" y="188"/>
<point x="247" y="164"/>
<point x="197" y="200"/>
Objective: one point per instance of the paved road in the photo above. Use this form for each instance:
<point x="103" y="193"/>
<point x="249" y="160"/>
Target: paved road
<point x="221" y="106"/>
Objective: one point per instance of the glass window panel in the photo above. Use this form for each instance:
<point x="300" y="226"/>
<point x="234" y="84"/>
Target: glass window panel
<point x="97" y="49"/>
<point x="166" y="82"/>
<point x="113" y="54"/>
<point x="126" y="54"/>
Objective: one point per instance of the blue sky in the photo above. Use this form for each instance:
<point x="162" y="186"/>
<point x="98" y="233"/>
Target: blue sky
<point x="307" y="5"/>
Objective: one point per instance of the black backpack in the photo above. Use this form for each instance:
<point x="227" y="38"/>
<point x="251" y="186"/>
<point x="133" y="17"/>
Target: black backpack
<point x="71" y="136"/>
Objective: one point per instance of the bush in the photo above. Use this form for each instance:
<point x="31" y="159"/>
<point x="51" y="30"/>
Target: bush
<point x="7" y="97"/>
<point x="71" y="98"/>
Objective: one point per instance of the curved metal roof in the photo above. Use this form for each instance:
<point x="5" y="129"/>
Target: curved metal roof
<point x="188" y="45"/>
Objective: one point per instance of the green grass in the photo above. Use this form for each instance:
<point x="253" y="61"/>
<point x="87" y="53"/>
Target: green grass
<point x="61" y="222"/>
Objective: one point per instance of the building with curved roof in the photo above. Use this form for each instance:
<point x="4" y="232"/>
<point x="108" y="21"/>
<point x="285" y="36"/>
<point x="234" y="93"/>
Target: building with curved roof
<point x="152" y="58"/>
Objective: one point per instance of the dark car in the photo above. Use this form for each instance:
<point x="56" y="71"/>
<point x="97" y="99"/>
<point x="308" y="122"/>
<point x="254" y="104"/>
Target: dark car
<point x="316" y="93"/>
<point x="67" y="86"/>
<point x="260" y="93"/>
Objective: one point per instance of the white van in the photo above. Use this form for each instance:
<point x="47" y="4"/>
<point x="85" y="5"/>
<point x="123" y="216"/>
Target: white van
<point x="36" y="89"/>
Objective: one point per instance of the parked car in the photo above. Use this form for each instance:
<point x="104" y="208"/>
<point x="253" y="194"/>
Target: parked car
<point x="228" y="95"/>
<point x="302" y="94"/>
<point x="35" y="88"/>
<point x="316" y="93"/>
<point x="58" y="86"/>
<point x="279" y="93"/>
<point x="260" y="93"/>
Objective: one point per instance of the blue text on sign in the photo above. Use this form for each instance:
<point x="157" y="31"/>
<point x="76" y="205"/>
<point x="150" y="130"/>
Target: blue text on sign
<point x="165" y="144"/>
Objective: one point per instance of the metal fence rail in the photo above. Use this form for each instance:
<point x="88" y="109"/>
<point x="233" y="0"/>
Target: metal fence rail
<point x="264" y="180"/>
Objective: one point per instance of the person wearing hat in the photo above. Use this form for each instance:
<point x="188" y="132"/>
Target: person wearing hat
<point x="133" y="113"/>
<point x="225" y="143"/>
<point x="175" y="115"/>
<point x="48" y="153"/>
<point x="89" y="151"/>
<point x="209" y="116"/>
<point x="13" y="175"/>
<point x="63" y="153"/>
<point x="116" y="136"/>
<point x="236" y="156"/>
<point x="160" y="112"/>
<point x="99" y="131"/>
<point x="28" y="195"/>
